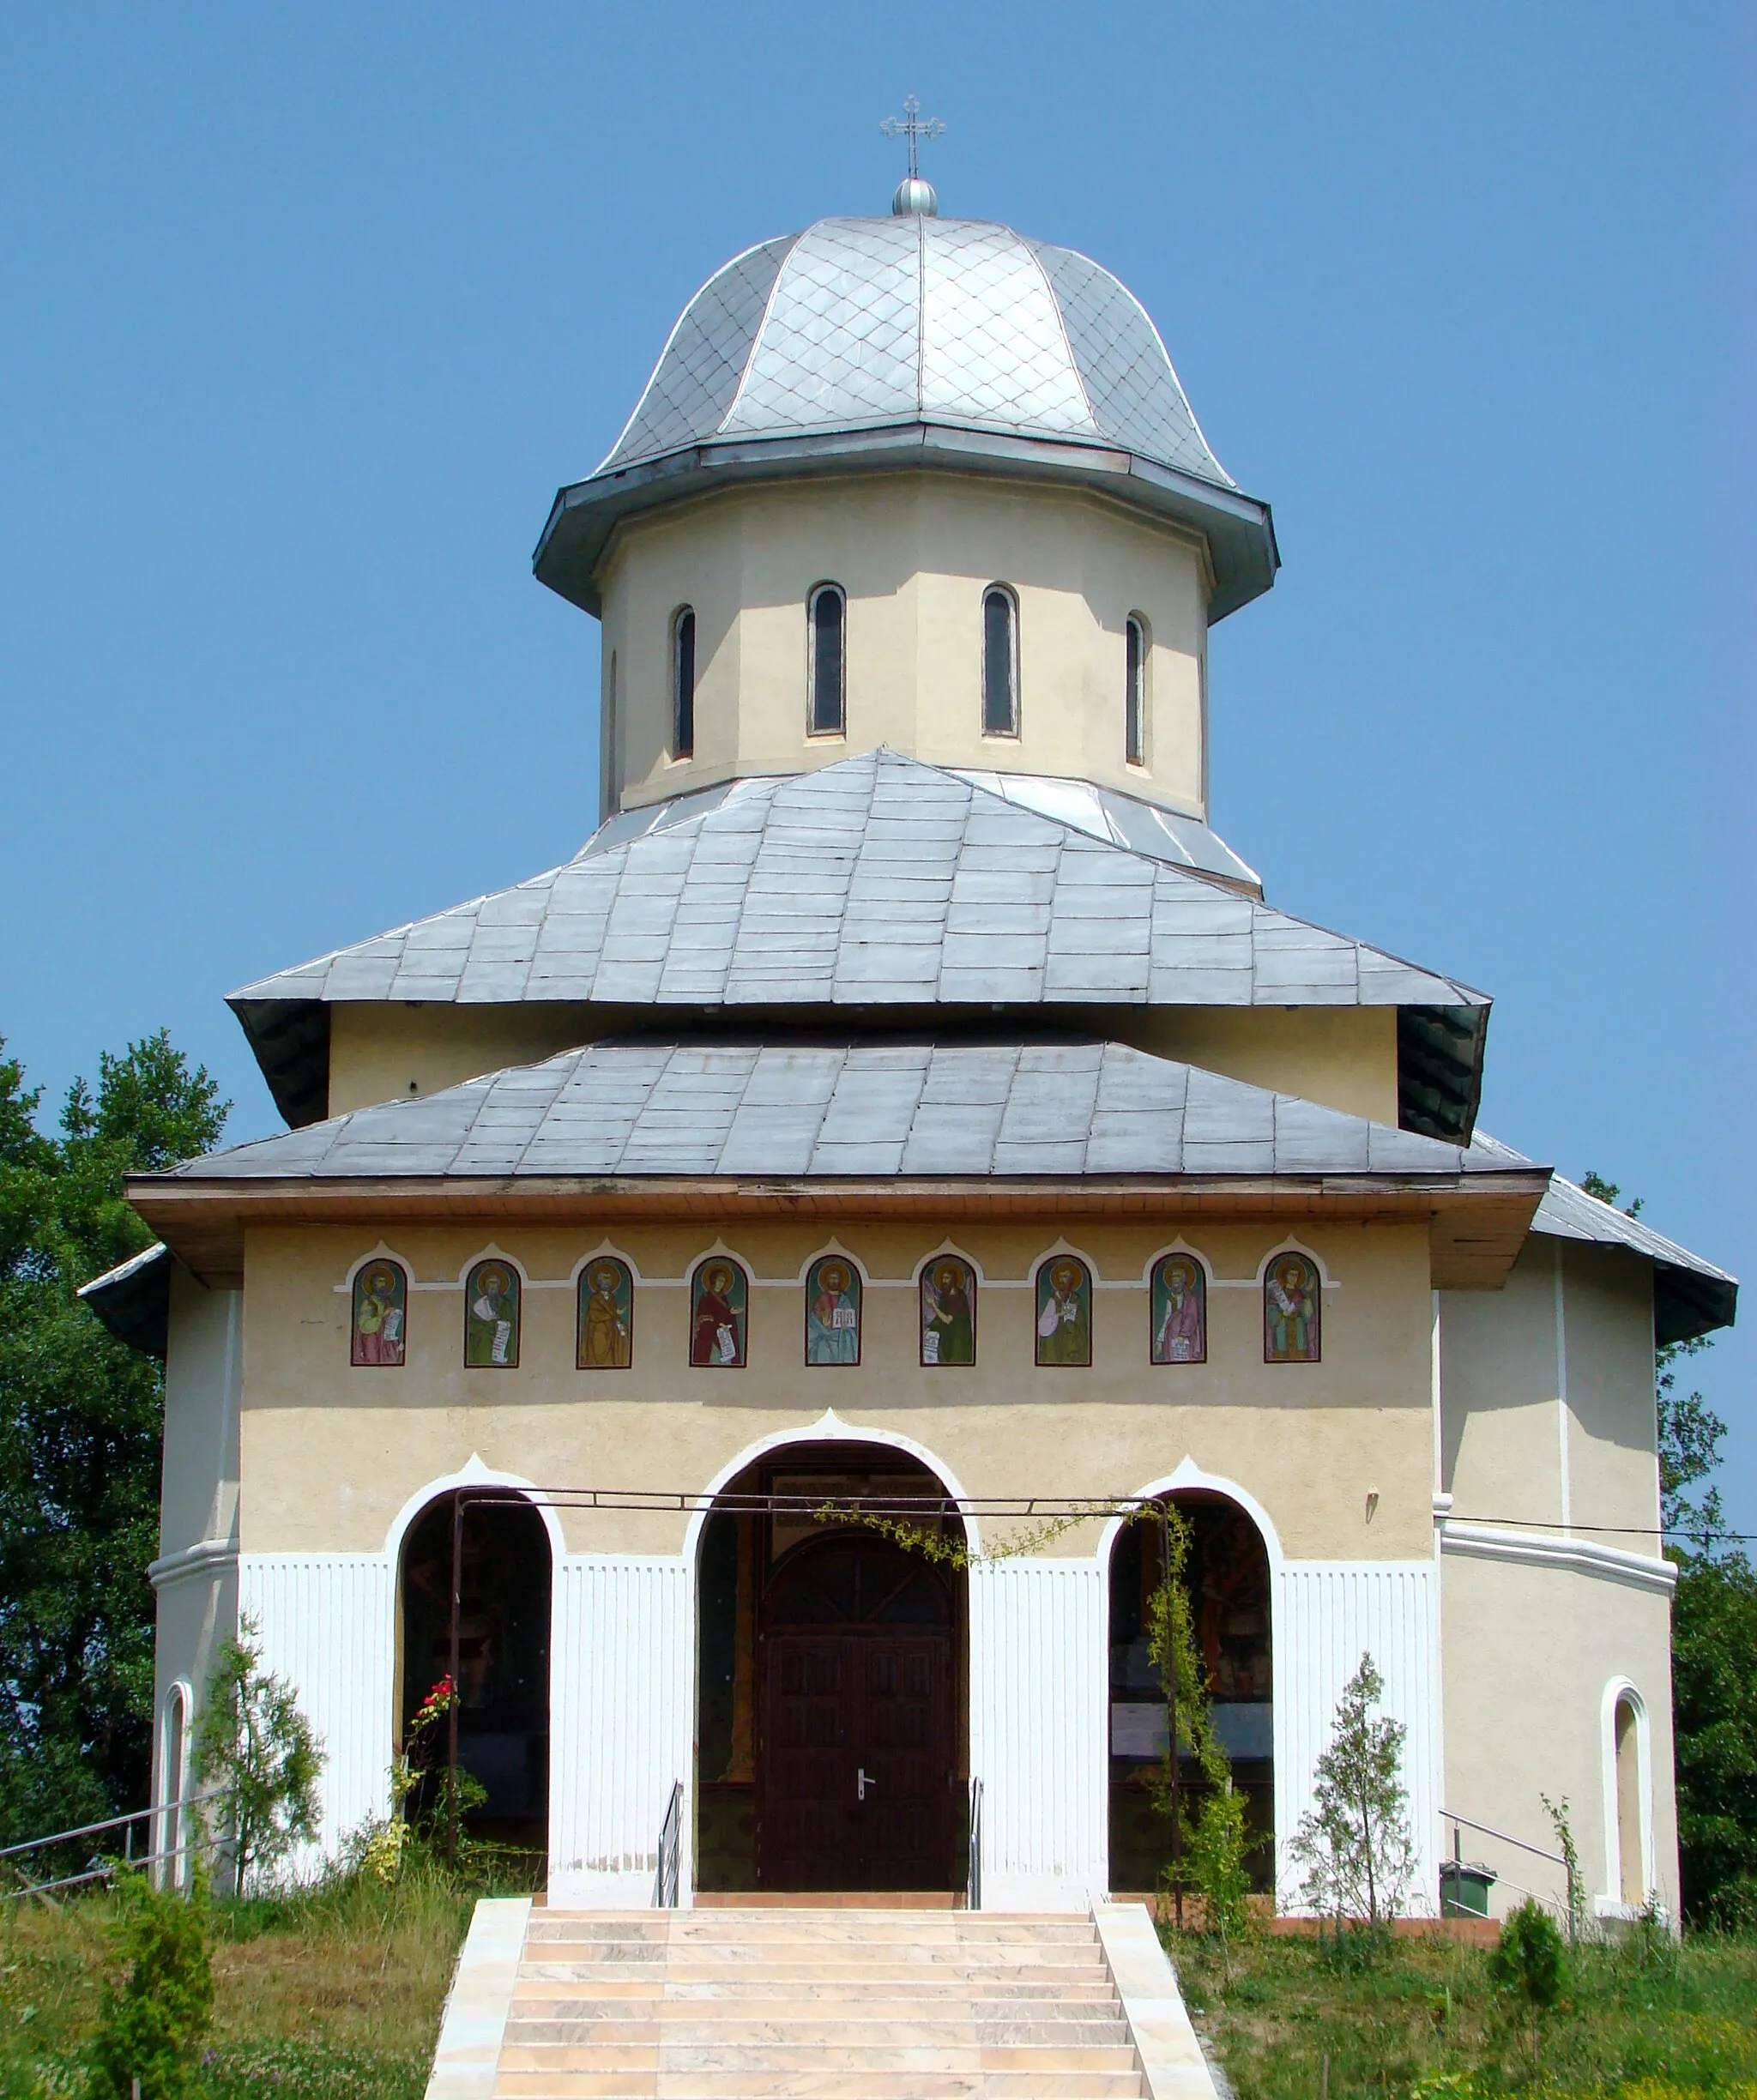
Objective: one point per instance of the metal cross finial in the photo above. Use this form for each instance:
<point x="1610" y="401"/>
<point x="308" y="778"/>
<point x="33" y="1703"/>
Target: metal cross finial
<point x="914" y="127"/>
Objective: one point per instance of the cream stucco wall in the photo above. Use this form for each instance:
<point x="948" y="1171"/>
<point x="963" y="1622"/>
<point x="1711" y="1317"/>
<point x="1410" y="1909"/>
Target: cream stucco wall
<point x="1527" y="1652"/>
<point x="196" y="1575"/>
<point x="331" y="1453"/>
<point x="1548" y="1414"/>
<point x="914" y="553"/>
<point x="1343" y="1057"/>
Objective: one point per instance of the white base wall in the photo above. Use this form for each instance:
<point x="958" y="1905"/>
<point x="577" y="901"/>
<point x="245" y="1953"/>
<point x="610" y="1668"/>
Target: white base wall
<point x="1327" y="1614"/>
<point x="325" y="1623"/>
<point x="622" y="1724"/>
<point x="1039" y="1721"/>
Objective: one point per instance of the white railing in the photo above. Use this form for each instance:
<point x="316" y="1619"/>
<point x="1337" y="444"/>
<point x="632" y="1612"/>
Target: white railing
<point x="973" y="1880"/>
<point x="101" y="1867"/>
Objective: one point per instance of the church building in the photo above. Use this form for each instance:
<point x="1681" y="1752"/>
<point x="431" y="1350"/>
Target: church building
<point x="905" y="1100"/>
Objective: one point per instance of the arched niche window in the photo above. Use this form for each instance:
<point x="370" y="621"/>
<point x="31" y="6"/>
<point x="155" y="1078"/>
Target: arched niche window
<point x="683" y="683"/>
<point x="1000" y="662"/>
<point x="1135" y="690"/>
<point x="827" y="646"/>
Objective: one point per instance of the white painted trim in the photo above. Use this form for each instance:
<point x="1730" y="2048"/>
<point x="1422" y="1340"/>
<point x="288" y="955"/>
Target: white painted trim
<point x="948" y="1246"/>
<point x="474" y="1473"/>
<point x="176" y="1714"/>
<point x="1189" y="1474"/>
<point x="829" y="1428"/>
<point x="604" y="1246"/>
<point x="1618" y="1691"/>
<point x="381" y="1252"/>
<point x="206" y="1557"/>
<point x="1483" y="1542"/>
<point x="1179" y="1246"/>
<point x="831" y="1246"/>
<point x="493" y="1252"/>
<point x="1564" y="1469"/>
<point x="1275" y="1253"/>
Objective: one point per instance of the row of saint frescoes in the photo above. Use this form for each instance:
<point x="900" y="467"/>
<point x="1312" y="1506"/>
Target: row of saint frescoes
<point x="720" y="1301"/>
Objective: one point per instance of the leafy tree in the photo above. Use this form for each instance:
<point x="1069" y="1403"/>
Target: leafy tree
<point x="251" y="1740"/>
<point x="1216" y="1839"/>
<point x="149" y="2032"/>
<point x="80" y="1426"/>
<point x="1355" y="1839"/>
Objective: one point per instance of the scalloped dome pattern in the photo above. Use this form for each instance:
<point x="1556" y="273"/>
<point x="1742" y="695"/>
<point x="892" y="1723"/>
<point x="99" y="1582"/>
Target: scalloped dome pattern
<point x="865" y="323"/>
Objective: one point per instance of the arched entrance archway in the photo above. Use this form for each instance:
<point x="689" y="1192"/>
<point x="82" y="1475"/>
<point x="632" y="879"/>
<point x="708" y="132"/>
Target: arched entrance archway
<point x="831" y="1712"/>
<point x="489" y="1551"/>
<point x="1228" y="1575"/>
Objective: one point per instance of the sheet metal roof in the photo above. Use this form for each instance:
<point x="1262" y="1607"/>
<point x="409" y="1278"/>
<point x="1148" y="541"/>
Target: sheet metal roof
<point x="862" y="321"/>
<point x="877" y="881"/>
<point x="1691" y="1296"/>
<point x="898" y="341"/>
<point x="635" y="1108"/>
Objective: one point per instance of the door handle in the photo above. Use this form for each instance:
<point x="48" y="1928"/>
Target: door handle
<point x="862" y="1782"/>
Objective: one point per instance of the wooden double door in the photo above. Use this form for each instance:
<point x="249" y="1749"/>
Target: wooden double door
<point x="857" y="1780"/>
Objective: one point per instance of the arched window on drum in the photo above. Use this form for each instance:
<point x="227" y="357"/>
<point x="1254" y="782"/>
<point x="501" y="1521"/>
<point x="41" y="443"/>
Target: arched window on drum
<point x="827" y="649"/>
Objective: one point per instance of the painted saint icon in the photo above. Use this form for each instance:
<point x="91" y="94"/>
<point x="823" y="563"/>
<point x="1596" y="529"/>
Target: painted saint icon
<point x="718" y="1299"/>
<point x="1063" y="1312"/>
<point x="606" y="1335"/>
<point x="1290" y="1309"/>
<point x="948" y="1311"/>
<point x="832" y="1312"/>
<point x="491" y="1317"/>
<point x="380" y="1309"/>
<point x="1180" y="1302"/>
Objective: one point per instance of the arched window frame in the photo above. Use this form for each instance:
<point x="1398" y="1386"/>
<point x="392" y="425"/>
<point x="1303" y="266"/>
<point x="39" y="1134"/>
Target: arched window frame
<point x="995" y="723"/>
<point x="1137" y="650"/>
<point x="826" y="707"/>
<point x="171" y="1869"/>
<point x="683" y="683"/>
<point x="1618" y="1693"/>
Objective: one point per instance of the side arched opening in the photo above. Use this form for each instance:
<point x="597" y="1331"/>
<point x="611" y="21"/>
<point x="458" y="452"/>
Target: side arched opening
<point x="1228" y="1578"/>
<point x="473" y="1591"/>
<point x="832" y="1711"/>
<point x="1625" y="1752"/>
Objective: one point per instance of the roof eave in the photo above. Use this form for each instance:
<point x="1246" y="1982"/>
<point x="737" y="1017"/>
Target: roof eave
<point x="1239" y="529"/>
<point x="1477" y="1221"/>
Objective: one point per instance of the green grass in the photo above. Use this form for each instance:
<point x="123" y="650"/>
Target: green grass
<point x="1648" y="2019"/>
<point x="331" y="1994"/>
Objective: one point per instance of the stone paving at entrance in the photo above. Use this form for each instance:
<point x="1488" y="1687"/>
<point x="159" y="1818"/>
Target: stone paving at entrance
<point x="853" y="2003"/>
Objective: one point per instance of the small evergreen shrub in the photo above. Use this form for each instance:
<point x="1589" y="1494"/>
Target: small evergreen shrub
<point x="152" y="2028"/>
<point x="1528" y="1959"/>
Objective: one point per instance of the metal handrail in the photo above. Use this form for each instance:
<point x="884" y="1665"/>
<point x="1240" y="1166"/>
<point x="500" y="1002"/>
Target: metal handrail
<point x="91" y="1830"/>
<point x="1488" y="1830"/>
<point x="973" y="1881"/>
<point x="665" y="1879"/>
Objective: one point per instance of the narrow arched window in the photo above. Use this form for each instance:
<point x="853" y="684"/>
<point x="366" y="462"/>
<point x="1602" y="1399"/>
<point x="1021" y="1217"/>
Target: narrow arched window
<point x="1000" y="662"/>
<point x="1135" y="690"/>
<point x="683" y="684"/>
<point x="827" y="645"/>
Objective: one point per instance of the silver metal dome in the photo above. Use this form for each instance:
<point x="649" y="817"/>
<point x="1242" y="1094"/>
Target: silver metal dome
<point x="914" y="194"/>
<point x="857" y="322"/>
<point x="863" y="342"/>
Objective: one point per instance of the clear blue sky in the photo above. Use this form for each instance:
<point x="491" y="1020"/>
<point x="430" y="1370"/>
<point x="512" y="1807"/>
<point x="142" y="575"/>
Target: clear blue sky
<point x="306" y="313"/>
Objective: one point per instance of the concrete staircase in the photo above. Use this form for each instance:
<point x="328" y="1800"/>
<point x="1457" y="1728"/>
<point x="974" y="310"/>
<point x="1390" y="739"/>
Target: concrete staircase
<point x="859" y="2004"/>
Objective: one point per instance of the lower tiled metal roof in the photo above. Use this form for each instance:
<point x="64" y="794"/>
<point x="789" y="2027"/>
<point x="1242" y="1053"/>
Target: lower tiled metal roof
<point x="876" y="881"/>
<point x="637" y="1108"/>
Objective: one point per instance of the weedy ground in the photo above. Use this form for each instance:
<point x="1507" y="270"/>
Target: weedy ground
<point x="332" y="1995"/>
<point x="1645" y="2018"/>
